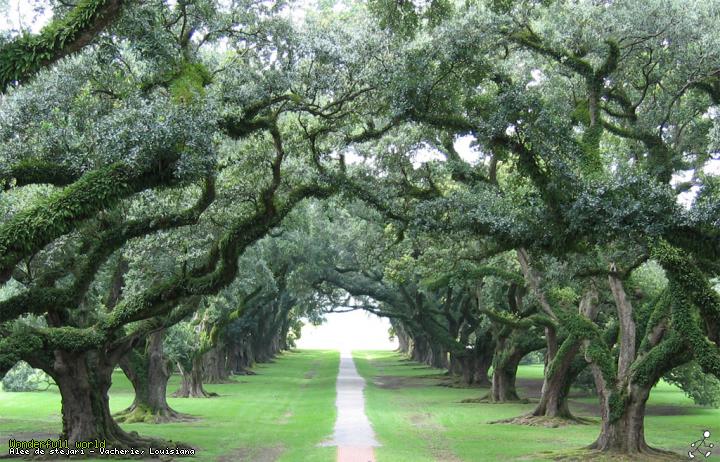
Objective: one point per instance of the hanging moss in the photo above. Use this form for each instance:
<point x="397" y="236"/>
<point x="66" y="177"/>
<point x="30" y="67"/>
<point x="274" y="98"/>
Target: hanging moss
<point x="577" y="325"/>
<point x="471" y="273"/>
<point x="508" y="319"/>
<point x="600" y="354"/>
<point x="616" y="404"/>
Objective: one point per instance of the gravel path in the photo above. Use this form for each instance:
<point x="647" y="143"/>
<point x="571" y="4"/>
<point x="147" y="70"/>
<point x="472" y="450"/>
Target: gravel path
<point x="354" y="437"/>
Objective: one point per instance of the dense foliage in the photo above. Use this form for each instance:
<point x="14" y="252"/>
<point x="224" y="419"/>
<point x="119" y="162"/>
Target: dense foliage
<point x="183" y="183"/>
<point x="22" y="377"/>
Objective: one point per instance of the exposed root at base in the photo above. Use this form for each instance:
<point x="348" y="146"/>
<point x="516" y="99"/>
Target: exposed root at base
<point x="487" y="399"/>
<point x="457" y="383"/>
<point x="543" y="421"/>
<point x="139" y="414"/>
<point x="244" y="372"/>
<point x="648" y="455"/>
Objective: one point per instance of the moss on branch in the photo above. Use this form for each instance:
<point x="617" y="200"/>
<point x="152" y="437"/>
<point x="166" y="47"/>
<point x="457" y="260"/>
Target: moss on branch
<point x="36" y="172"/>
<point x="690" y="286"/>
<point x="32" y="229"/>
<point x="27" y="54"/>
<point x="694" y="300"/>
<point x="35" y="301"/>
<point x="156" y="305"/>
<point x="514" y="322"/>
<point x="44" y="298"/>
<point x="17" y="347"/>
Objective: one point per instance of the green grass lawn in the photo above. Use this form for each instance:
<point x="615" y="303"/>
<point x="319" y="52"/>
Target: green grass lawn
<point x="416" y="420"/>
<point x="288" y="408"/>
<point x="280" y="414"/>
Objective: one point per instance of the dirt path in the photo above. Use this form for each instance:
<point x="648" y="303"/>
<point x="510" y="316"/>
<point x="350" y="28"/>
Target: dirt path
<point x="354" y="437"/>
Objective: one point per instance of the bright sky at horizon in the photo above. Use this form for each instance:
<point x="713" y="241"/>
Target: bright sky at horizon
<point x="356" y="330"/>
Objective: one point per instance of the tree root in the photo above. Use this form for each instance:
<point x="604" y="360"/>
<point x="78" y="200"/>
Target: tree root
<point x="135" y="414"/>
<point x="647" y="455"/>
<point x="544" y="421"/>
<point x="187" y="394"/>
<point x="487" y="399"/>
<point x="454" y="382"/>
<point x="244" y="372"/>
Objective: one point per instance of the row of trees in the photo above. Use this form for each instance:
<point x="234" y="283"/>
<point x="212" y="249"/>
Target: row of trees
<point x="181" y="137"/>
<point x="157" y="159"/>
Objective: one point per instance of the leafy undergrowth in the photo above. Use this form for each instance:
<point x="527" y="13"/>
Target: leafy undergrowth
<point x="281" y="414"/>
<point x="418" y="421"/>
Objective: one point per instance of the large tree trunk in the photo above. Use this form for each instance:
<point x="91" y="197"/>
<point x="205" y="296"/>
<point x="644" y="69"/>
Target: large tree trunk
<point x="262" y="355"/>
<point x="622" y="403"/>
<point x="215" y="365"/>
<point x="84" y="380"/>
<point x="462" y="364"/>
<point x="148" y="373"/>
<point x="241" y="359"/>
<point x="192" y="382"/>
<point x="474" y="368"/>
<point x="556" y="385"/>
<point x="626" y="433"/>
<point x="483" y="361"/>
<point x="85" y="403"/>
<point x="403" y="342"/>
<point x="467" y="366"/>
<point x="262" y="348"/>
<point x="457" y="365"/>
<point x="437" y="357"/>
<point x="502" y="389"/>
<point x="275" y="345"/>
<point x="509" y="351"/>
<point x="419" y="350"/>
<point x="506" y="359"/>
<point x="283" y="338"/>
<point x="473" y="365"/>
<point x="261" y="343"/>
<point x="561" y="369"/>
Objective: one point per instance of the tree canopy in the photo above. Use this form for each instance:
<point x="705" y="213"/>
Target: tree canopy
<point x="496" y="177"/>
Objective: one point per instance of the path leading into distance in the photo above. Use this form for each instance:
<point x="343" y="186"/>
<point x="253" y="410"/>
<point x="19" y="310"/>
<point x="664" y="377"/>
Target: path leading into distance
<point x="354" y="437"/>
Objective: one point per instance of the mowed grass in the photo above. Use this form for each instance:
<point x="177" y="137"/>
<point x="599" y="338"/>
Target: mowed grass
<point x="282" y="413"/>
<point x="288" y="409"/>
<point x="416" y="420"/>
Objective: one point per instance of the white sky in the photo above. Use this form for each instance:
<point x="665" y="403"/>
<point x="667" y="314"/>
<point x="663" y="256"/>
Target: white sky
<point x="17" y="14"/>
<point x="356" y="330"/>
